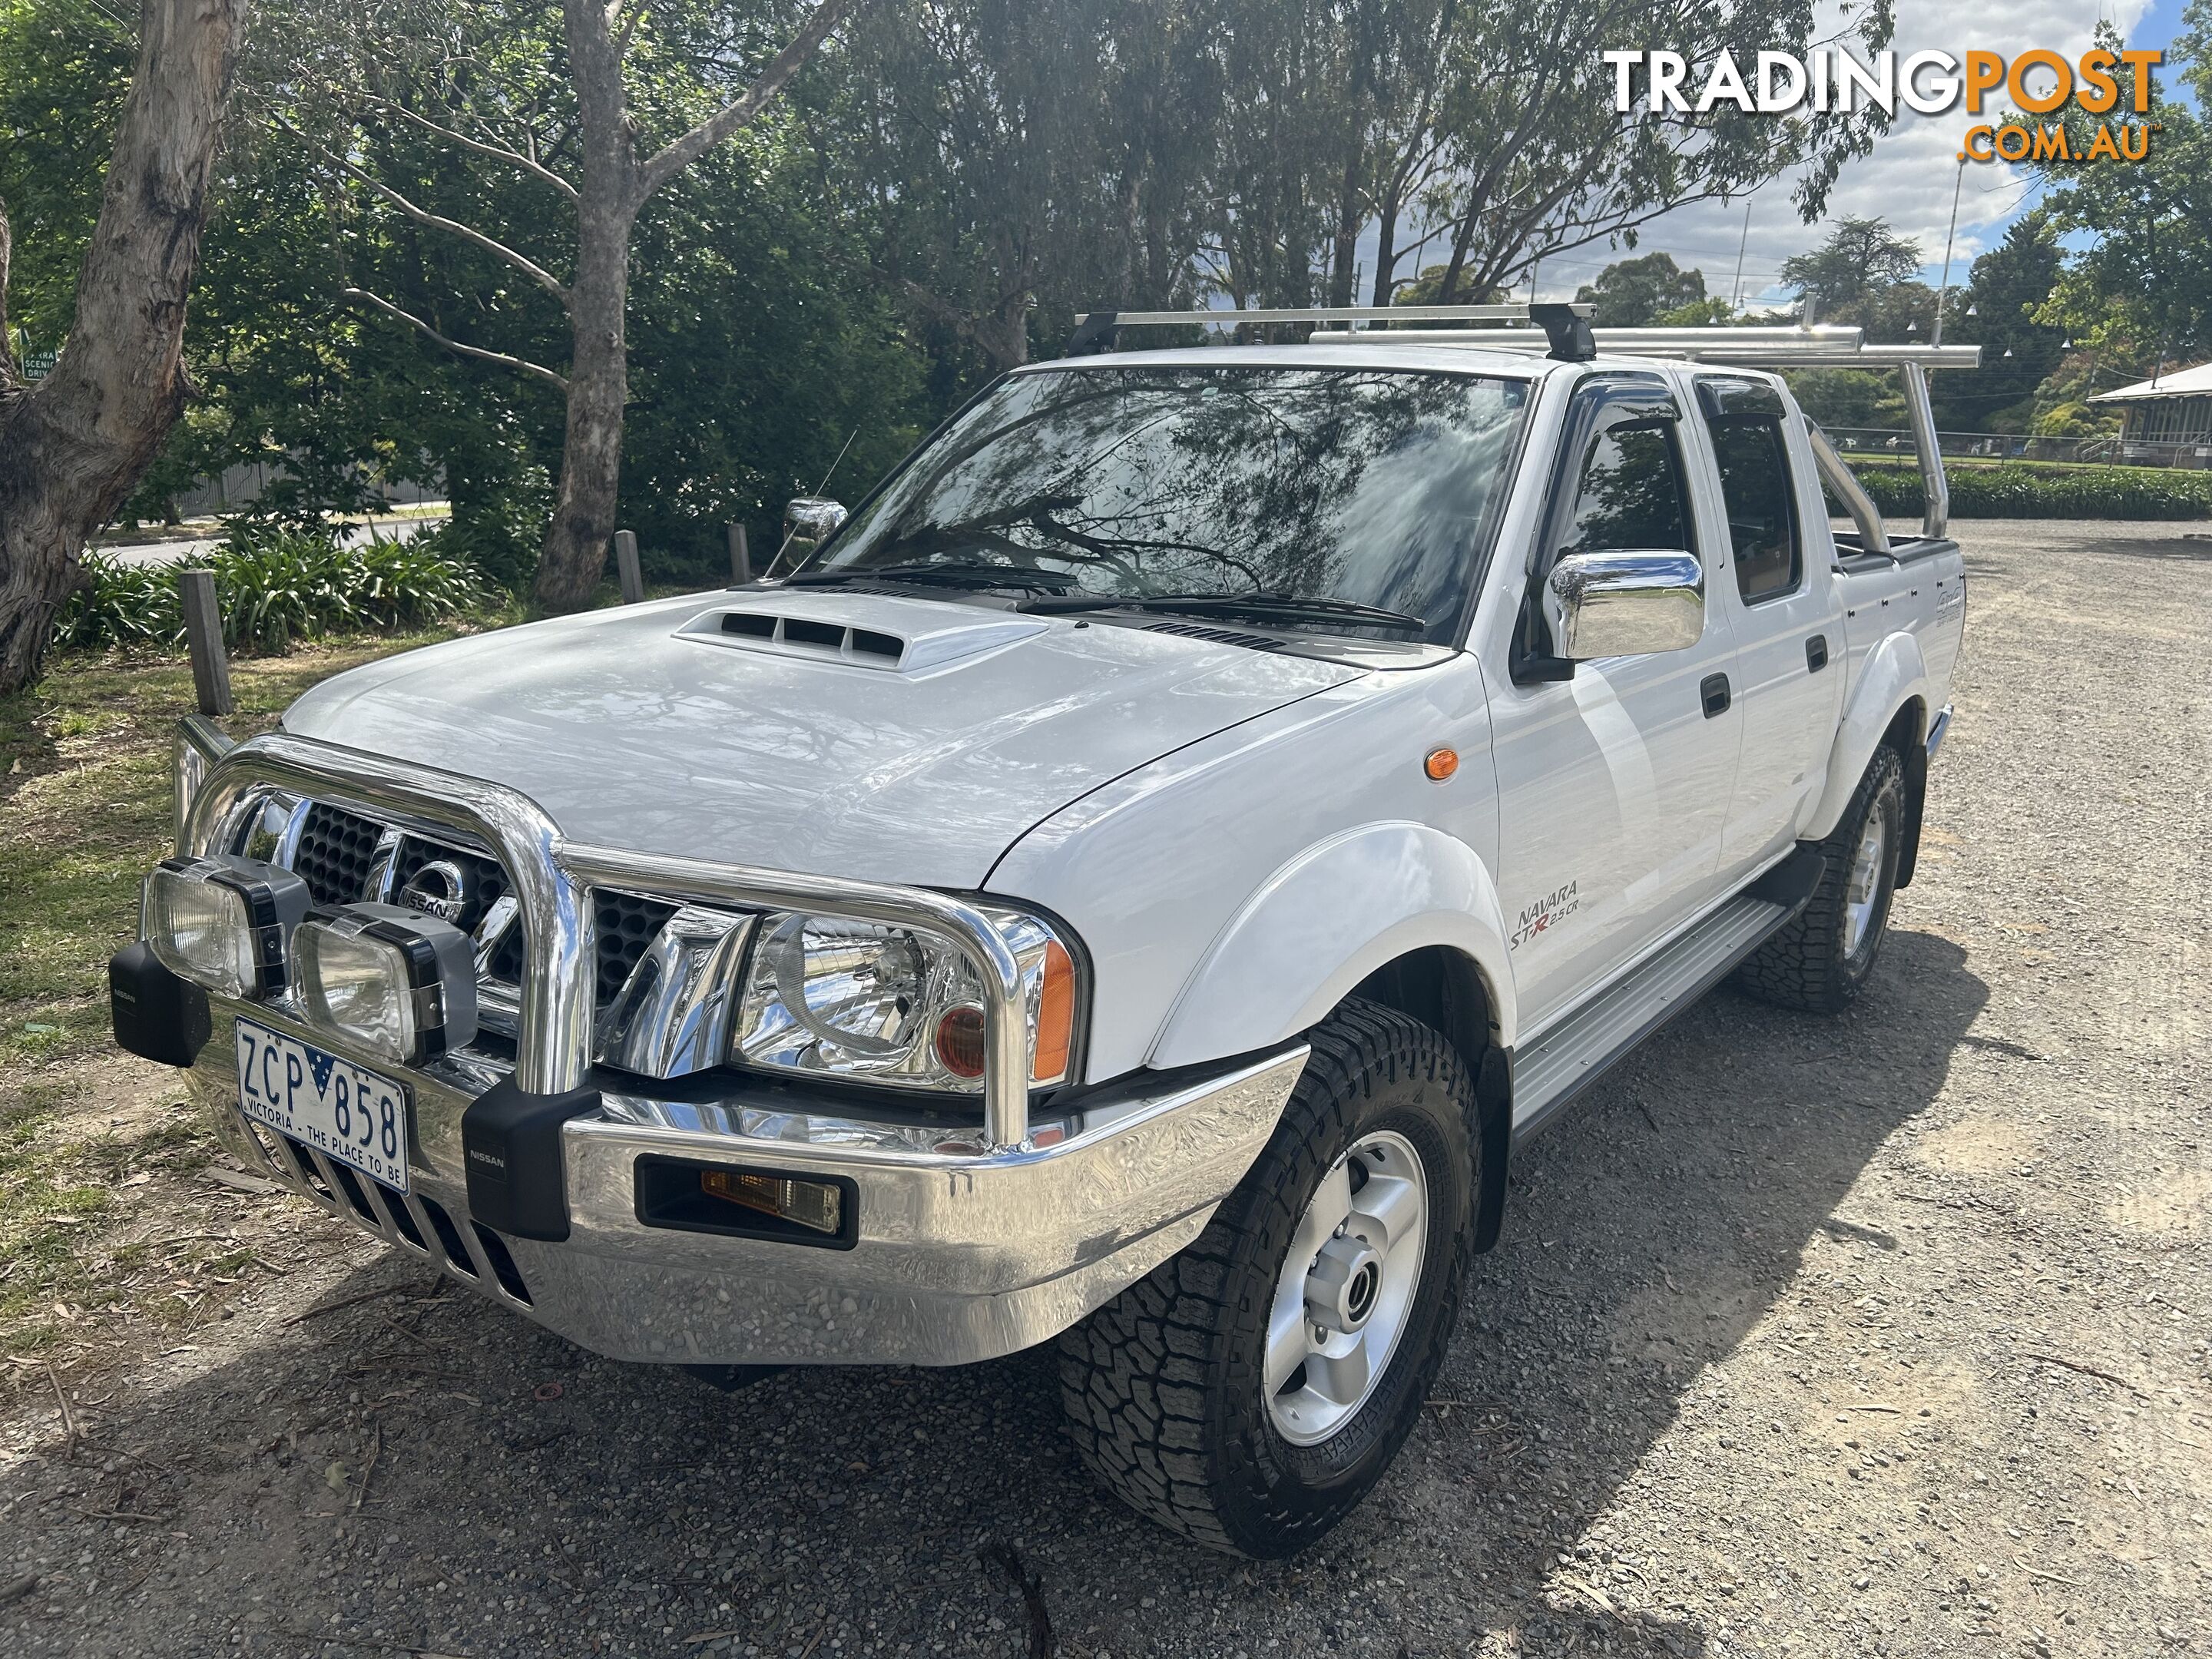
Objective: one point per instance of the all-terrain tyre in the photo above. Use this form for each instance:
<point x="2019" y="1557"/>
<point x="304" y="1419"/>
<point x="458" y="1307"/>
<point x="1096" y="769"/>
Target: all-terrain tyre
<point x="1819" y="961"/>
<point x="1166" y="1387"/>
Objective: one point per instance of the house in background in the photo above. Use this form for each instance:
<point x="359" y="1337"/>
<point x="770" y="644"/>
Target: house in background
<point x="2166" y="411"/>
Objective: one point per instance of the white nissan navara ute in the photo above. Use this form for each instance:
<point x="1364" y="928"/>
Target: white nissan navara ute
<point x="1130" y="886"/>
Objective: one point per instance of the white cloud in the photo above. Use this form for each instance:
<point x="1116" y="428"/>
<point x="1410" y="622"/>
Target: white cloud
<point x="1908" y="178"/>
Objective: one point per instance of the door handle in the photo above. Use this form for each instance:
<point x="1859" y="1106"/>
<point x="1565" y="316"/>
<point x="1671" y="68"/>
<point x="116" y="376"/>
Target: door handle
<point x="1816" y="654"/>
<point x="1714" y="689"/>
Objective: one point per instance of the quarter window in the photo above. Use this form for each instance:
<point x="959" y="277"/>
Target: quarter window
<point x="1630" y="494"/>
<point x="1762" y="514"/>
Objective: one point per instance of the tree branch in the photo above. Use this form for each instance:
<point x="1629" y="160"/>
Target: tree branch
<point x="518" y="363"/>
<point x="492" y="246"/>
<point x="638" y="9"/>
<point x="7" y="346"/>
<point x="672" y="159"/>
<point x="497" y="152"/>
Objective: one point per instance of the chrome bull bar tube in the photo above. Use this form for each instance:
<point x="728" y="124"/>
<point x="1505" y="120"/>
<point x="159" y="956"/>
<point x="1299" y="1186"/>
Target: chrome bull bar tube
<point x="1006" y="1020"/>
<point x="552" y="879"/>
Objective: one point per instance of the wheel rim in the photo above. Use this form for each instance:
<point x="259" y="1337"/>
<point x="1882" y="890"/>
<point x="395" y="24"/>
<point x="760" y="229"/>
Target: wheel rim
<point x="1345" y="1292"/>
<point x="1862" y="892"/>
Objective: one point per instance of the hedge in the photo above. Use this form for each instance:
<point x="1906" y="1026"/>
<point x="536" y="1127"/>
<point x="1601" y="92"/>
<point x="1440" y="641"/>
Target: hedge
<point x="2024" y="489"/>
<point x="274" y="587"/>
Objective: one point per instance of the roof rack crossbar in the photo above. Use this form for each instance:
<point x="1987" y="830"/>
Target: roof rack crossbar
<point x="1565" y="324"/>
<point x="1518" y="312"/>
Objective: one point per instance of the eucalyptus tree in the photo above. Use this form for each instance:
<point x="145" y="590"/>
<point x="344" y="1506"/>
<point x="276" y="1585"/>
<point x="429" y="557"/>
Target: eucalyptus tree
<point x="1540" y="160"/>
<point x="1012" y="160"/>
<point x="73" y="443"/>
<point x="600" y="117"/>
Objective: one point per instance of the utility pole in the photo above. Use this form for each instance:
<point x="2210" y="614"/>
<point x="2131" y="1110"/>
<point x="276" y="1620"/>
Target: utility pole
<point x="1957" y="185"/>
<point x="1736" y="294"/>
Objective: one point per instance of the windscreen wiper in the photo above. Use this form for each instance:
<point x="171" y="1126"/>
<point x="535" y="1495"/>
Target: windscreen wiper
<point x="1288" y="606"/>
<point x="950" y="576"/>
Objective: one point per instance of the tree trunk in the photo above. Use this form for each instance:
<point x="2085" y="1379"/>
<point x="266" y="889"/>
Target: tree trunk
<point x="72" y="446"/>
<point x="576" y="552"/>
<point x="1386" y="248"/>
<point x="1341" y="275"/>
<point x="615" y="185"/>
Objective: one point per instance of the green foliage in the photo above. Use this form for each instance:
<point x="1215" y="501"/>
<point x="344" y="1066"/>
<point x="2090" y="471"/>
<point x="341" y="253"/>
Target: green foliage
<point x="1637" y="292"/>
<point x="277" y="585"/>
<point x="930" y="202"/>
<point x="1838" y="399"/>
<point x="1995" y="311"/>
<point x="2027" y="489"/>
<point x="2143" y="280"/>
<point x="1861" y="259"/>
<point x="64" y="67"/>
<point x="1711" y="312"/>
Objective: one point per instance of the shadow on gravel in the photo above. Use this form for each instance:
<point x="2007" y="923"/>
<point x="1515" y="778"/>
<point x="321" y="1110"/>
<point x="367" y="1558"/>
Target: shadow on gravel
<point x="429" y="1472"/>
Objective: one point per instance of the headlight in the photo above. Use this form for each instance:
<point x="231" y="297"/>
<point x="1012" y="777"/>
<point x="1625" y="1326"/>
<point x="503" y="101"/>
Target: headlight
<point x="223" y="923"/>
<point x="896" y="1005"/>
<point x="401" y="985"/>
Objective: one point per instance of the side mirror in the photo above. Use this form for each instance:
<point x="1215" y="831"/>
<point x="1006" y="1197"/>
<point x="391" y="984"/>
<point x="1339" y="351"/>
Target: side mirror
<point x="1624" y="604"/>
<point x="808" y="522"/>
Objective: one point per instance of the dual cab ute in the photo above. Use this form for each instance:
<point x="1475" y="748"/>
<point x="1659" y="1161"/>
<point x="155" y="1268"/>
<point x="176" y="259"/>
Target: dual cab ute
<point x="1129" y="885"/>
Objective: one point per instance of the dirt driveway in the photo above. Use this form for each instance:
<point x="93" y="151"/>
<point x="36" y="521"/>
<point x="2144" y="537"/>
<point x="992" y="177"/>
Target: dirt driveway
<point x="1882" y="1336"/>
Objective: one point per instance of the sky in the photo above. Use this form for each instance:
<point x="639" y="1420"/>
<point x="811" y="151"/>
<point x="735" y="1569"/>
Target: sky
<point x="1909" y="176"/>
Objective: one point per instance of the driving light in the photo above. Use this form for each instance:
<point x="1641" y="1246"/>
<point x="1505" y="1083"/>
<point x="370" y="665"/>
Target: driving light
<point x="222" y="923"/>
<point x="397" y="983"/>
<point x="896" y="1006"/>
<point x="813" y="1204"/>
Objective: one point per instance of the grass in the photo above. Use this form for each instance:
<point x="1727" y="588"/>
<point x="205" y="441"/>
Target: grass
<point x="85" y="810"/>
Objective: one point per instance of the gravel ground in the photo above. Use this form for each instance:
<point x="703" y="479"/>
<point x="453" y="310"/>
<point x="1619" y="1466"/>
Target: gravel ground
<point x="1885" y="1335"/>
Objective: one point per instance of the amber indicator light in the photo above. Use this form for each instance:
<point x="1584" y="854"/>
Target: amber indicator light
<point x="1441" y="764"/>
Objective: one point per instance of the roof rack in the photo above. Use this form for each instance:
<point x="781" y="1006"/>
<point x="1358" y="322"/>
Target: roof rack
<point x="1565" y="324"/>
<point x="1563" y="332"/>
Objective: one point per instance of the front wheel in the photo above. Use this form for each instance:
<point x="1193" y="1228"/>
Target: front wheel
<point x="1249" y="1391"/>
<point x="1821" y="959"/>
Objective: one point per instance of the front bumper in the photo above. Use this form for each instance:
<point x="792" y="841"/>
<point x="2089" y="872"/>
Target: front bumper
<point x="964" y="1252"/>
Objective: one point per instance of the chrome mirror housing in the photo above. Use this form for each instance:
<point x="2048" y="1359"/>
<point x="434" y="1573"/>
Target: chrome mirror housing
<point x="1625" y="603"/>
<point x="808" y="521"/>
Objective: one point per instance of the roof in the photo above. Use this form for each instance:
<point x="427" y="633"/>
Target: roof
<point x="2182" y="383"/>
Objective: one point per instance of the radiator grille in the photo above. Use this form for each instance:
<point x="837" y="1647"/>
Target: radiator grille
<point x="337" y="850"/>
<point x="625" y="925"/>
<point x="336" y="857"/>
<point x="487" y="882"/>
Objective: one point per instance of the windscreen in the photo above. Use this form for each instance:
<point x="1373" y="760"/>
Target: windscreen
<point x="1372" y="487"/>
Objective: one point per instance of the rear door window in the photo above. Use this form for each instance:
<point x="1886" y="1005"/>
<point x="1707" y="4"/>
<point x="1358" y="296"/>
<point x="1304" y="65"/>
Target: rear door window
<point x="1762" y="513"/>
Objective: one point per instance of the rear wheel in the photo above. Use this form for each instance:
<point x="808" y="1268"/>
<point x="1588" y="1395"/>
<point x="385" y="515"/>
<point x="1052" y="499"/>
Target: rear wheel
<point x="1249" y="1392"/>
<point x="1822" y="958"/>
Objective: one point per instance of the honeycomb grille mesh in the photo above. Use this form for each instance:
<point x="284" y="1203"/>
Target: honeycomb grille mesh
<point x="337" y="850"/>
<point x="625" y="925"/>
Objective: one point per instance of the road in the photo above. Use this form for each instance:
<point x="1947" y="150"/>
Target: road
<point x="1883" y="1335"/>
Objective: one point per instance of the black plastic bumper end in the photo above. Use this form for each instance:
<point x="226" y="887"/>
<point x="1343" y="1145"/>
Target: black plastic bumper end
<point x="511" y="1143"/>
<point x="156" y="1014"/>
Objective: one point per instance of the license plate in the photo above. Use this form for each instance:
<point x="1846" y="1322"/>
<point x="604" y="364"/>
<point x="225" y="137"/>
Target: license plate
<point x="342" y="1110"/>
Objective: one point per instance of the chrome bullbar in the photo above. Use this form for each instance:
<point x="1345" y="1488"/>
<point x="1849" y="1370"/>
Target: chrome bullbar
<point x="553" y="878"/>
<point x="964" y="1247"/>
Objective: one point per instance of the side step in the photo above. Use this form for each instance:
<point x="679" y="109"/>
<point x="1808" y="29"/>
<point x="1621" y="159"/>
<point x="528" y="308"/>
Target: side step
<point x="1573" y="1054"/>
